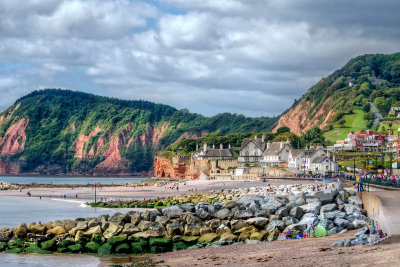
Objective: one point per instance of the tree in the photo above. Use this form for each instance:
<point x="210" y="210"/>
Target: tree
<point x="342" y="122"/>
<point x="282" y="130"/>
<point x="366" y="108"/>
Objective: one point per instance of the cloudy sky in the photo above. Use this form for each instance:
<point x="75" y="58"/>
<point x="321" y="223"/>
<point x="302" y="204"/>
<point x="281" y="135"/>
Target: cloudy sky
<point x="242" y="56"/>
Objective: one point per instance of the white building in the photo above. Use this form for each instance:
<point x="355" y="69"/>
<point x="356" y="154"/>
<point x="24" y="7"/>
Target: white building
<point x="276" y="154"/>
<point x="251" y="150"/>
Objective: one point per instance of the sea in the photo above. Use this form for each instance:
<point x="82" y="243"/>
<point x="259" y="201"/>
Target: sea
<point x="15" y="210"/>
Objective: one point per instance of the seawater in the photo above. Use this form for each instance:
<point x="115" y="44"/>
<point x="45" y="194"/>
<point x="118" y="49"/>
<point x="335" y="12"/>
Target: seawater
<point x="60" y="180"/>
<point x="14" y="210"/>
<point x="59" y="260"/>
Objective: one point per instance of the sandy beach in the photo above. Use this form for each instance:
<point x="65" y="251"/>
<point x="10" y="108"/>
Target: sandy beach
<point x="129" y="192"/>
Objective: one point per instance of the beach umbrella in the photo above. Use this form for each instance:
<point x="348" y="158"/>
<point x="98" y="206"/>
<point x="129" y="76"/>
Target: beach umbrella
<point x="319" y="231"/>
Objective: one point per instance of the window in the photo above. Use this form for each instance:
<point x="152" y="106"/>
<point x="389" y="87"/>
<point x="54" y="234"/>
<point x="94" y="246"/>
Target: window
<point x="255" y="147"/>
<point x="247" y="153"/>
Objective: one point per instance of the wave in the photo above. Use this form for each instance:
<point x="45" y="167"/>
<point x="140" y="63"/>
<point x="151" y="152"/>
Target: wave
<point x="82" y="204"/>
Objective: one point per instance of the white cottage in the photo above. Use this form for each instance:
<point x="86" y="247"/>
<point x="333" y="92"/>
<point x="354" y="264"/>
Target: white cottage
<point x="251" y="150"/>
<point x="276" y="154"/>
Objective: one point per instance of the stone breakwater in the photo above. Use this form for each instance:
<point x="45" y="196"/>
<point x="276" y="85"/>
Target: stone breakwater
<point x="258" y="215"/>
<point x="7" y="186"/>
<point x="209" y="197"/>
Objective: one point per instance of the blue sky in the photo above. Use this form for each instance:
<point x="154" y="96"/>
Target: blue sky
<point x="252" y="57"/>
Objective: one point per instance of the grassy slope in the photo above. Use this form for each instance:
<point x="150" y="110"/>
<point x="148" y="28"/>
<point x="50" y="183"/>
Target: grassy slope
<point x="354" y="122"/>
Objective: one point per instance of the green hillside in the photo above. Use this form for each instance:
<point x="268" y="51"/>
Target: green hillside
<point x="346" y="94"/>
<point x="354" y="121"/>
<point x="58" y="118"/>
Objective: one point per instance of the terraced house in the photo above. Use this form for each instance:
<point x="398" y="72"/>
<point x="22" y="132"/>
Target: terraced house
<point x="251" y="150"/>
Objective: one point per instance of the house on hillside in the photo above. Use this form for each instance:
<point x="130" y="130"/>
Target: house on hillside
<point x="213" y="154"/>
<point x="276" y="154"/>
<point x="362" y="141"/>
<point x="251" y="150"/>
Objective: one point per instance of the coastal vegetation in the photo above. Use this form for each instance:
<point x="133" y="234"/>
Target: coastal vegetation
<point x="346" y="94"/>
<point x="62" y="131"/>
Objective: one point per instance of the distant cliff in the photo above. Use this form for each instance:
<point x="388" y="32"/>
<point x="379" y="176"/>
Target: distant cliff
<point x="65" y="132"/>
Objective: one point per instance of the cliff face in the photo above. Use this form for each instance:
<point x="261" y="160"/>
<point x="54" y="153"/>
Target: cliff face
<point x="177" y="169"/>
<point x="299" y="118"/>
<point x="14" y="138"/>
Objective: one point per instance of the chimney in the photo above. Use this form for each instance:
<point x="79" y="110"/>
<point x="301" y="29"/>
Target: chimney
<point x="255" y="137"/>
<point x="282" y="144"/>
<point x="205" y="147"/>
<point x="229" y="146"/>
<point x="221" y="146"/>
<point x="213" y="146"/>
<point x="263" y="138"/>
<point x="268" y="145"/>
<point x="197" y="147"/>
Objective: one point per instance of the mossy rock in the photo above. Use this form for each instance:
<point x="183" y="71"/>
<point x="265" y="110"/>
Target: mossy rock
<point x="92" y="247"/>
<point x="115" y="240"/>
<point x="16" y="243"/>
<point x="179" y="246"/>
<point x="207" y="238"/>
<point x="75" y="248"/>
<point x="191" y="240"/>
<point x="62" y="250"/>
<point x="157" y="249"/>
<point x="125" y="206"/>
<point x="168" y="204"/>
<point x="14" y="250"/>
<point x="150" y="205"/>
<point x="136" y="239"/>
<point x="163" y="242"/>
<point x="66" y="243"/>
<point x="48" y="245"/>
<point x="158" y="204"/>
<point x="139" y="247"/>
<point x="82" y="241"/>
<point x="105" y="249"/>
<point x="3" y="246"/>
<point x="123" y="248"/>
<point x="132" y="205"/>
<point x="36" y="249"/>
<point x="99" y="239"/>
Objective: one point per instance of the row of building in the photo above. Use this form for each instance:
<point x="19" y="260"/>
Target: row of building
<point x="369" y="141"/>
<point x="261" y="153"/>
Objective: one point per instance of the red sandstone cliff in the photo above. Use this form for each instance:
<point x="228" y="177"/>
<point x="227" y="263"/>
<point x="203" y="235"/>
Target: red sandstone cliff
<point x="178" y="168"/>
<point x="299" y="121"/>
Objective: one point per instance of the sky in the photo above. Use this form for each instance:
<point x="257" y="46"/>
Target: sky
<point x="251" y="57"/>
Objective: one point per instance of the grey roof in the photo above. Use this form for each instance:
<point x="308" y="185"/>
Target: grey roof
<point x="309" y="152"/>
<point x="218" y="153"/>
<point x="275" y="148"/>
<point x="319" y="159"/>
<point x="258" y="142"/>
<point x="296" y="152"/>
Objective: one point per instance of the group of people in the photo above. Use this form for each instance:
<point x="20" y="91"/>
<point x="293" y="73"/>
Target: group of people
<point x="307" y="234"/>
<point x="373" y="228"/>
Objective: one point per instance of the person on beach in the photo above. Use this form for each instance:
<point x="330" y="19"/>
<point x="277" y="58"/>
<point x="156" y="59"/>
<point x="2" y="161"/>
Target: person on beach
<point x="309" y="230"/>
